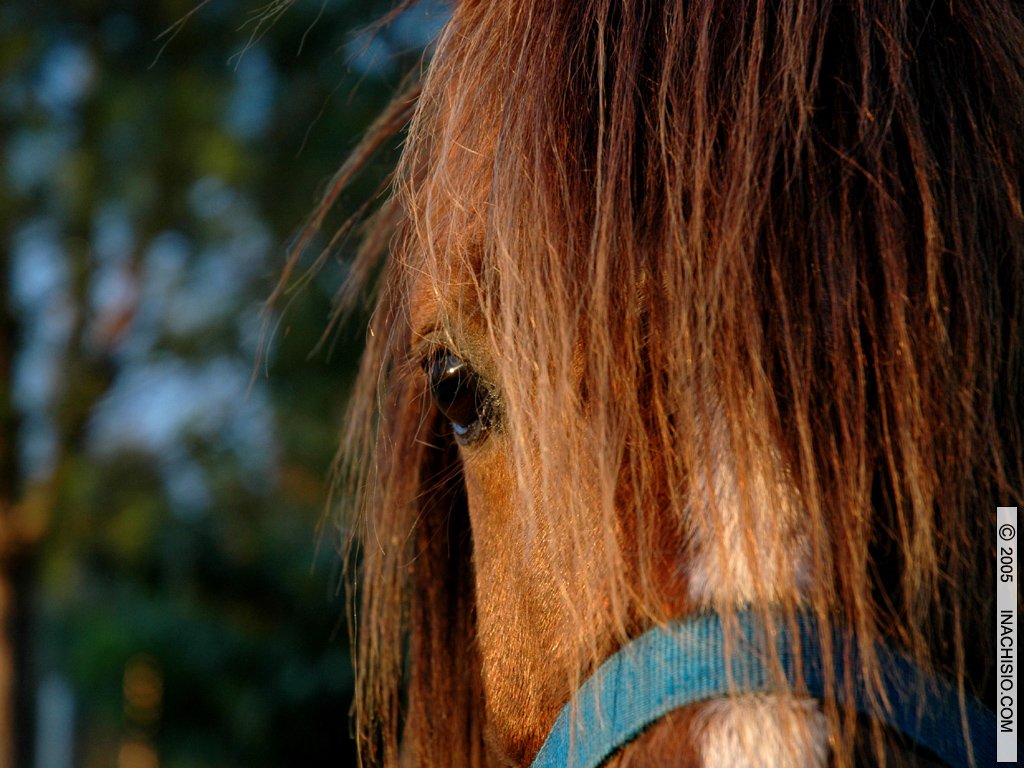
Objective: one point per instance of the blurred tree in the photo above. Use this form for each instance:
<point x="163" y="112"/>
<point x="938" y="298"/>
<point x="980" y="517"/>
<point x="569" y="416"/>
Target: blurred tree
<point x="12" y="543"/>
<point x="157" y="504"/>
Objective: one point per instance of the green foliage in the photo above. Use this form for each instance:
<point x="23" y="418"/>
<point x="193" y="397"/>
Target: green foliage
<point x="178" y="583"/>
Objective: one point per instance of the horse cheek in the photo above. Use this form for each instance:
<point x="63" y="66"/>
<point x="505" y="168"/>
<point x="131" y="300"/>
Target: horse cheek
<point x="518" y="625"/>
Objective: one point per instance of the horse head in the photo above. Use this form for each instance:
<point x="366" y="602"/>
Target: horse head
<point x="685" y="308"/>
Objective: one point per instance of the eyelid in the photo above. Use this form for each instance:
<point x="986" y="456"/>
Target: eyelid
<point x="438" y="341"/>
<point x="430" y="343"/>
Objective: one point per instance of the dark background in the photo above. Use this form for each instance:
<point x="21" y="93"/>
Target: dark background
<point x="165" y="597"/>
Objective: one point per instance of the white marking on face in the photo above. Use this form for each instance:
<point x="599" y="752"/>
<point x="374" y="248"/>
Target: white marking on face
<point x="735" y="549"/>
<point x="762" y="732"/>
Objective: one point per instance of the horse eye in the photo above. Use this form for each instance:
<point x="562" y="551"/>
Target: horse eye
<point x="460" y="395"/>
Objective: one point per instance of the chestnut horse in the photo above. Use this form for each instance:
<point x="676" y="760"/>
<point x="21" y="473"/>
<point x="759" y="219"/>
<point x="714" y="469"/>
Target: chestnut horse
<point x="687" y="307"/>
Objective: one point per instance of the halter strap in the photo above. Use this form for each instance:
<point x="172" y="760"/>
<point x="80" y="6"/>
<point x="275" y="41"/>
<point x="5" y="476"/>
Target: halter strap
<point x="683" y="663"/>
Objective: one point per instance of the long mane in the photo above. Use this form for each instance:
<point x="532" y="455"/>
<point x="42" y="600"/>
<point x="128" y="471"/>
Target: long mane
<point x="785" y="232"/>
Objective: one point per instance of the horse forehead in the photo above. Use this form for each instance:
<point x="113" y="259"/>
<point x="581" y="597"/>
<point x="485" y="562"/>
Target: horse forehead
<point x="440" y="291"/>
<point x="424" y="302"/>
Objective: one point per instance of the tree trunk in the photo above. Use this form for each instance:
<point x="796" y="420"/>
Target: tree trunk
<point x="15" y="692"/>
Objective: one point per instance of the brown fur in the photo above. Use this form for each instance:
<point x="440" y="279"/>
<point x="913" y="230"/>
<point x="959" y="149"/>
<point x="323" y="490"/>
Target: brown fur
<point x="661" y="746"/>
<point x="789" y="229"/>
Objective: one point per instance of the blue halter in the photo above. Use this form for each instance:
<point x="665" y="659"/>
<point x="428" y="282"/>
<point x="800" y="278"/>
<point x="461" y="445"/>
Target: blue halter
<point x="667" y="668"/>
